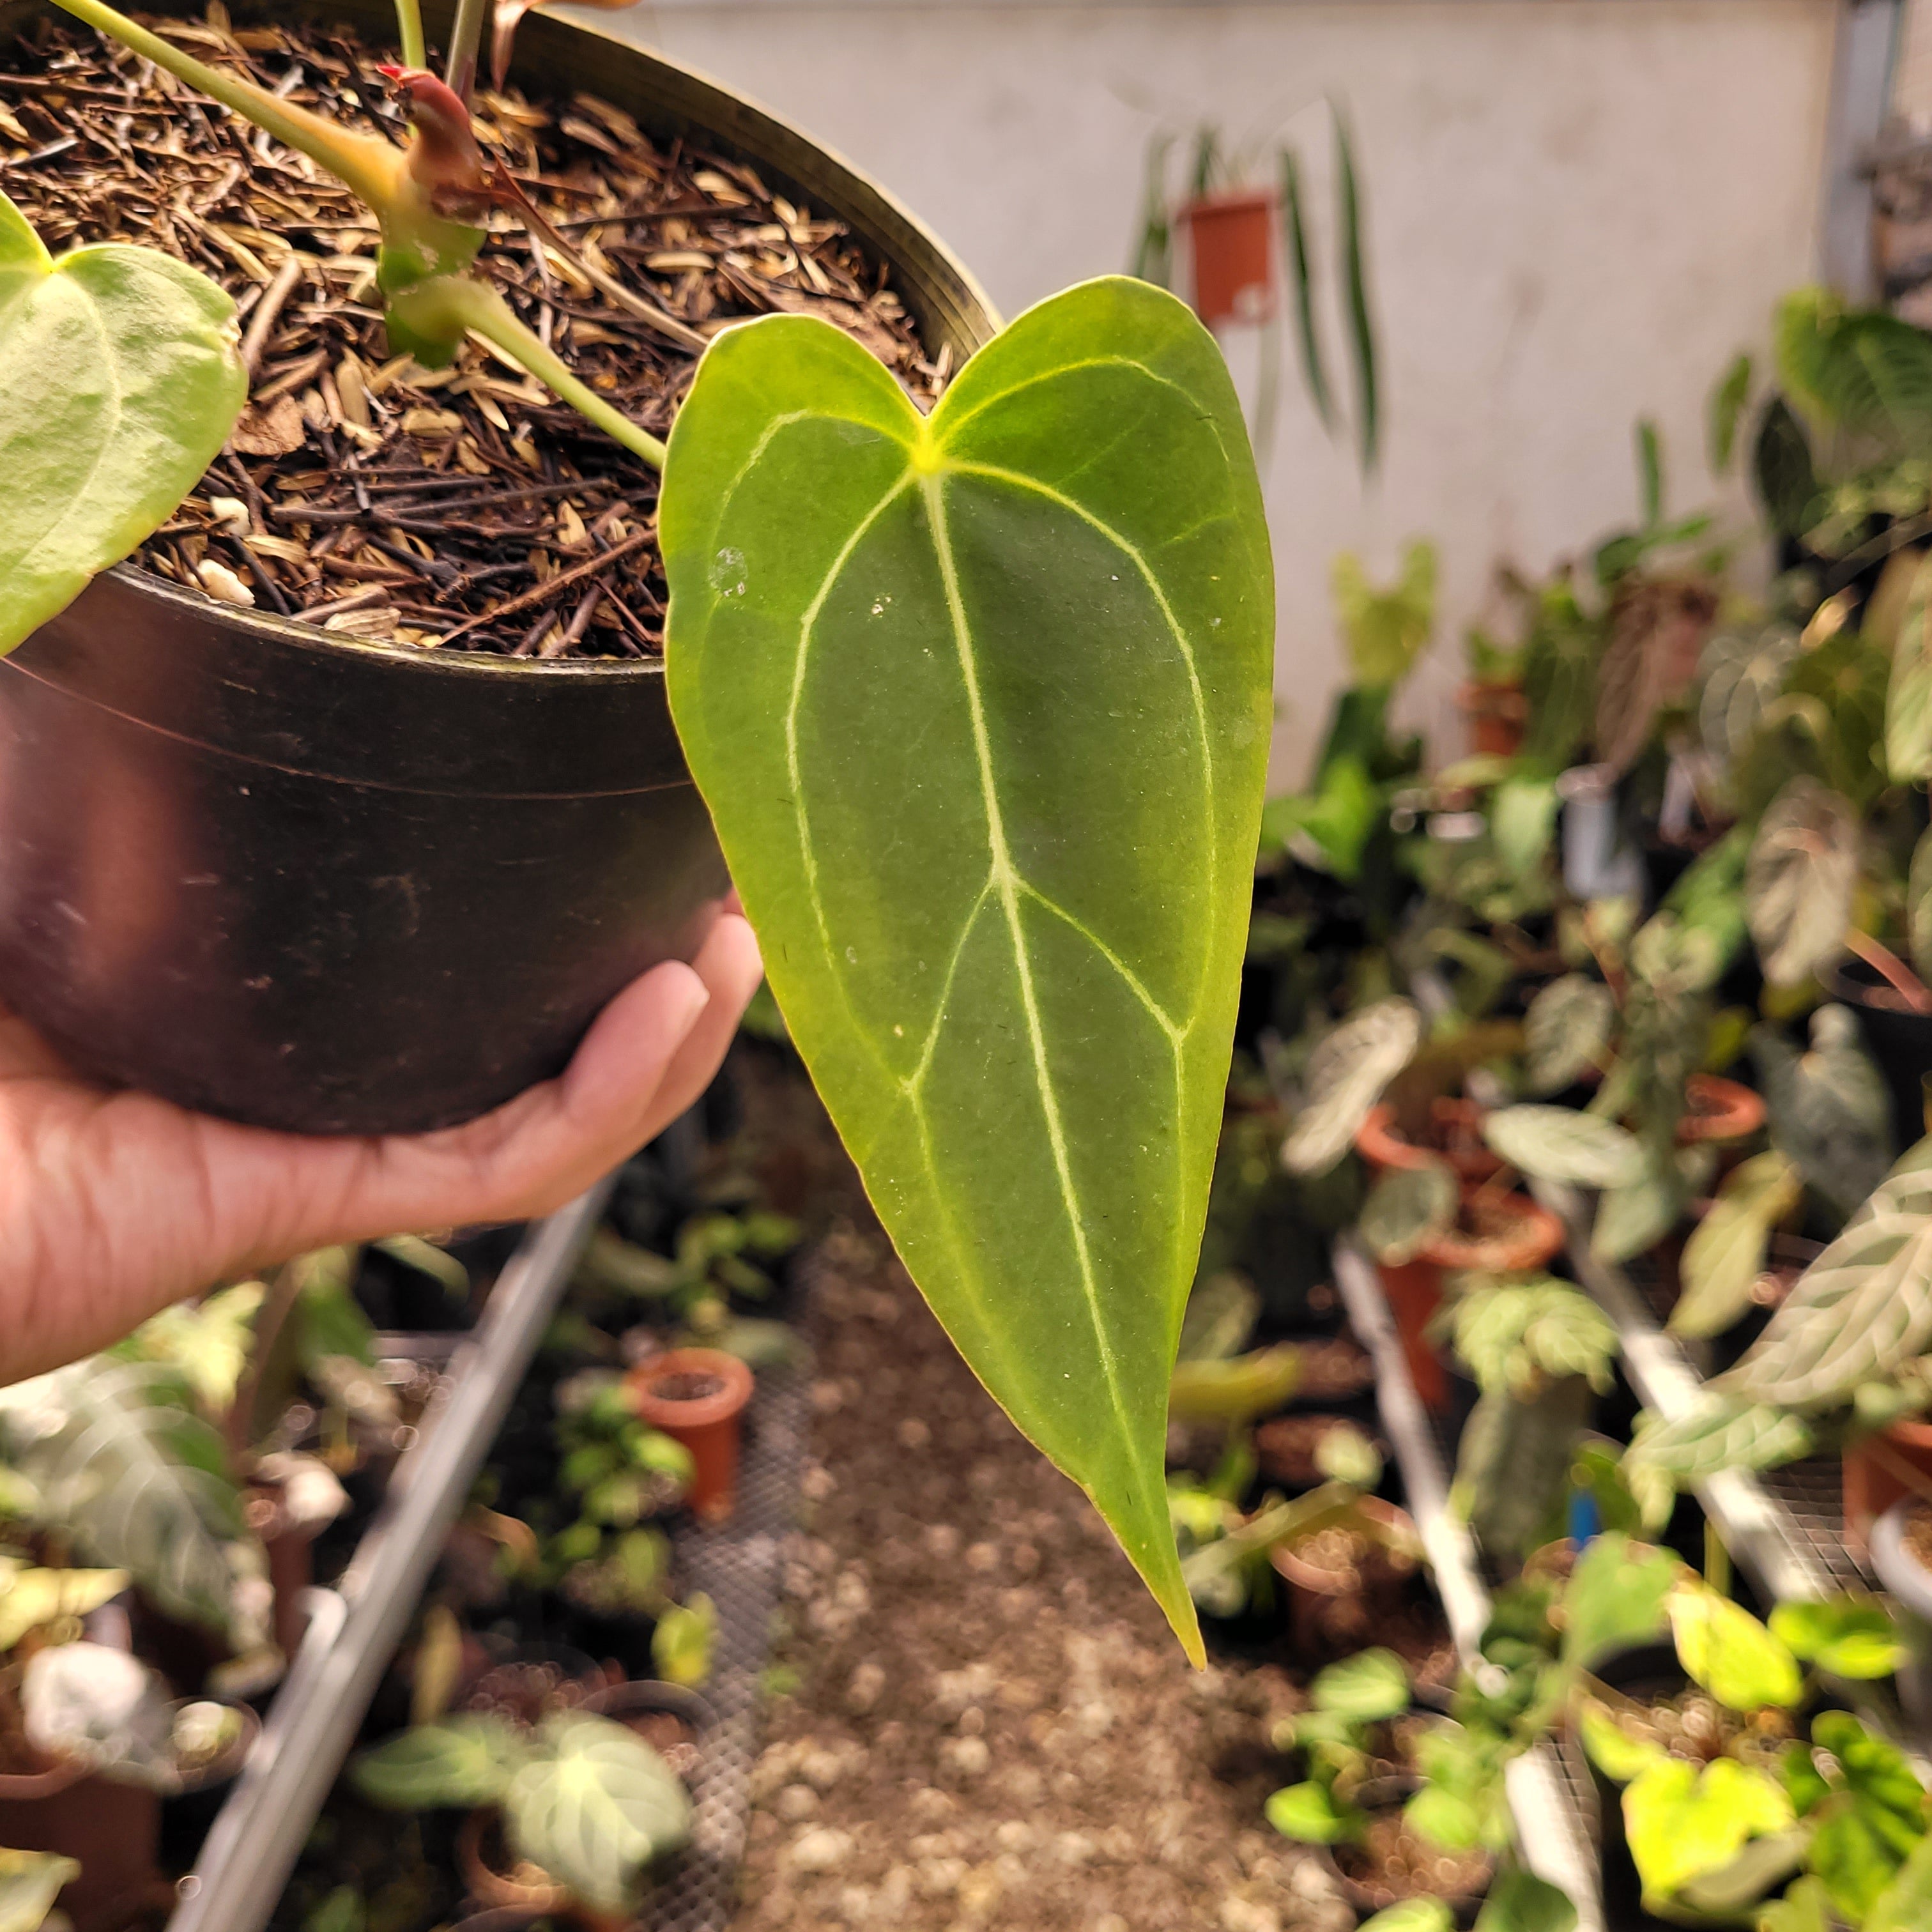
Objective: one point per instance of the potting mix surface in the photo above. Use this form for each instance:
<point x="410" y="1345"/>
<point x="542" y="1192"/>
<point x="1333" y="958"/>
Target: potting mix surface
<point x="464" y="509"/>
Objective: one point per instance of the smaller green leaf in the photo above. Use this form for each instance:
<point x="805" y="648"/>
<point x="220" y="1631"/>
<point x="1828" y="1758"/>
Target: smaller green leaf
<point x="1722" y="1432"/>
<point x="1519" y="1901"/>
<point x="1615" y="1597"/>
<point x="681" y="1645"/>
<point x="466" y="1760"/>
<point x="1559" y="1144"/>
<point x="1347" y="1073"/>
<point x="1634" y="1217"/>
<point x="1370" y="1685"/>
<point x="1386" y="630"/>
<point x="1908" y="702"/>
<point x="1567" y="1031"/>
<point x="1649" y="473"/>
<point x="1799" y="880"/>
<point x="1858" y="1858"/>
<point x="1406" y="1207"/>
<point x="1727" y="407"/>
<point x="30" y="1882"/>
<point x="1906" y="1904"/>
<point x="1806" y="1907"/>
<point x="1829" y="1109"/>
<point x="1307" y="1813"/>
<point x="1877" y="1772"/>
<point x="1235" y="1392"/>
<point x="1729" y="1652"/>
<point x="1683" y="1823"/>
<point x="1854" y="1637"/>
<point x="1221" y="1312"/>
<point x="1522" y="816"/>
<point x="1411" y="1914"/>
<point x="1725" y="1254"/>
<point x="1620" y="1756"/>
<point x="1445" y="1817"/>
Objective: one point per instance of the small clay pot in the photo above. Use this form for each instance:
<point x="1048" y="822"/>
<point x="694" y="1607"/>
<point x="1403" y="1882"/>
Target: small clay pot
<point x="114" y="1831"/>
<point x="672" y="1720"/>
<point x="1332" y="1609"/>
<point x="1459" y="1128"/>
<point x="697" y="1397"/>
<point x="1717" y="1109"/>
<point x="1498" y="714"/>
<point x="1232" y="237"/>
<point x="481" y="1860"/>
<point x="1874" y="1479"/>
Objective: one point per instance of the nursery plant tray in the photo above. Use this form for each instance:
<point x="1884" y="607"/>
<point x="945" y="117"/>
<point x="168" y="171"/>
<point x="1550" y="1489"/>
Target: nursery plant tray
<point x="354" y="1629"/>
<point x="1557" y="1840"/>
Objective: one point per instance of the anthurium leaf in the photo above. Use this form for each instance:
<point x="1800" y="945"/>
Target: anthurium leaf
<point x="1725" y="1254"/>
<point x="980" y="704"/>
<point x="1859" y="1311"/>
<point x="1908" y="702"/>
<point x="1567" y="1031"/>
<point x="30" y="1882"/>
<point x="1799" y="878"/>
<point x="1854" y="1637"/>
<point x="1684" y="1822"/>
<point x="1405" y="1207"/>
<point x="595" y="1808"/>
<point x="1559" y="1144"/>
<point x="120" y="380"/>
<point x="1371" y="1684"/>
<point x="1347" y="1072"/>
<point x="1519" y="1901"/>
<point x="1616" y="1597"/>
<point x="1307" y="1813"/>
<point x="1411" y="1914"/>
<point x="1906" y="1904"/>
<point x="466" y="1760"/>
<point x="1727" y="1650"/>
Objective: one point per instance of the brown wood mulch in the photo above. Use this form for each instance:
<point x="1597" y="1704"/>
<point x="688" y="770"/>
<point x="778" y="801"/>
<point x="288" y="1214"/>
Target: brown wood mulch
<point x="466" y="508"/>
<point x="981" y="1719"/>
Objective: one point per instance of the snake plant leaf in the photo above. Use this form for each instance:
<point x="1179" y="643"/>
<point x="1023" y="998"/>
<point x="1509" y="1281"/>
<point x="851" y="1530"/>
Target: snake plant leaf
<point x="1567" y="1031"/>
<point x="1725" y="1254"/>
<point x="1799" y="879"/>
<point x="594" y="1808"/>
<point x="1829" y="1109"/>
<point x="1559" y="1144"/>
<point x="1862" y="1309"/>
<point x="466" y="1760"/>
<point x="30" y="1882"/>
<point x="980" y="704"/>
<point x="120" y="380"/>
<point x="1405" y="1207"/>
<point x="1347" y="1074"/>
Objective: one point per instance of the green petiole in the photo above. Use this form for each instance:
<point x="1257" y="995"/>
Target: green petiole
<point x="410" y="33"/>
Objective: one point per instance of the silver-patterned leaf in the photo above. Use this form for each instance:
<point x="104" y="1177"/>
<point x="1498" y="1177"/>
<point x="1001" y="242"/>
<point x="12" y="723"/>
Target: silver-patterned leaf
<point x="1743" y="677"/>
<point x="1908" y="701"/>
<point x="1559" y="1144"/>
<point x="1405" y="1207"/>
<point x="1829" y="1109"/>
<point x="1725" y="1433"/>
<point x="1862" y="1309"/>
<point x="1799" y="879"/>
<point x="124" y="1467"/>
<point x="1512" y="1464"/>
<point x="1346" y="1074"/>
<point x="1635" y="1215"/>
<point x="1567" y="1031"/>
<point x="467" y="1760"/>
<point x="1725" y="1254"/>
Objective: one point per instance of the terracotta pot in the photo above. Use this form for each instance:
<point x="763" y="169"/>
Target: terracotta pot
<point x="113" y="1830"/>
<point x="655" y="1711"/>
<point x="707" y="1425"/>
<point x="1909" y="1583"/>
<point x="1718" y="1109"/>
<point x="1459" y="1123"/>
<point x="480" y="1855"/>
<point x="1232" y="237"/>
<point x="1511" y="1233"/>
<point x="1498" y="714"/>
<point x="1332" y="1609"/>
<point x="1875" y="1476"/>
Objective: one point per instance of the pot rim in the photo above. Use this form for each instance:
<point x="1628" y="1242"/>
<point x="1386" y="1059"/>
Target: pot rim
<point x="1735" y="1110"/>
<point x="498" y="1889"/>
<point x="1228" y="201"/>
<point x="1379" y="1898"/>
<point x="1287" y="1563"/>
<point x="1901" y="1573"/>
<point x="697" y="1412"/>
<point x="1532" y="1236"/>
<point x="619" y="1701"/>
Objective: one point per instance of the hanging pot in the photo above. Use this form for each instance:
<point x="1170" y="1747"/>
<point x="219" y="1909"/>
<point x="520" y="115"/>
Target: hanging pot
<point x="1231" y="238"/>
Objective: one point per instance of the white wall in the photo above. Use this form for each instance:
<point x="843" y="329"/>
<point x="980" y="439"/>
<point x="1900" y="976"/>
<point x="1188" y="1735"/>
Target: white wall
<point x="1579" y="211"/>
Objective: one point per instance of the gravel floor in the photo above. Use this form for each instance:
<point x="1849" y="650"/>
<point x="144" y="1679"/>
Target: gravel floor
<point x="981" y="1719"/>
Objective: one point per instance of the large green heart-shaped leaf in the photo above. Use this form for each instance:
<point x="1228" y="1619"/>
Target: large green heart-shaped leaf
<point x="980" y="704"/>
<point x="119" y="383"/>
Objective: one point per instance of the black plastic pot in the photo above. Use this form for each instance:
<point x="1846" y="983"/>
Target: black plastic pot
<point x="338" y="887"/>
<point x="1899" y="1041"/>
<point x="1643" y="1672"/>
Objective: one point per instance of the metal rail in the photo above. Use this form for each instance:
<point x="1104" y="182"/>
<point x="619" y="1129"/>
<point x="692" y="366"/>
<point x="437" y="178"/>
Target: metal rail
<point x="255" y="1841"/>
<point x="1549" y="1832"/>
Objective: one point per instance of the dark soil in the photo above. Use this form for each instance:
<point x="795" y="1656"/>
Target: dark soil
<point x="988" y="1722"/>
<point x="1286" y="1448"/>
<point x="1332" y="1369"/>
<point x="465" y="508"/>
<point x="690" y="1386"/>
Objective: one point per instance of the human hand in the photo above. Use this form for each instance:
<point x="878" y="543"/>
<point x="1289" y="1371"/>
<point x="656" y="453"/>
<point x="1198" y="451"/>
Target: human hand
<point x="114" y="1205"/>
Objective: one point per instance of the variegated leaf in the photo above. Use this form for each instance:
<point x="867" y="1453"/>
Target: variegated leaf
<point x="1567" y="1031"/>
<point x="1346" y="1074"/>
<point x="1725" y="1254"/>
<point x="1405" y="1207"/>
<point x="1829" y="1109"/>
<point x="1725" y="1432"/>
<point x="1559" y="1144"/>
<point x="1799" y="881"/>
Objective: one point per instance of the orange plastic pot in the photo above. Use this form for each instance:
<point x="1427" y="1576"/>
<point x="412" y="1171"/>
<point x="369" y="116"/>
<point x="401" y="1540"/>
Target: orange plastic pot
<point x="1498" y="714"/>
<point x="1507" y="1234"/>
<point x="706" y="1422"/>
<point x="1717" y="1109"/>
<point x="1876" y="1474"/>
<point x="1383" y="1145"/>
<point x="113" y="1830"/>
<point x="1232" y="237"/>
